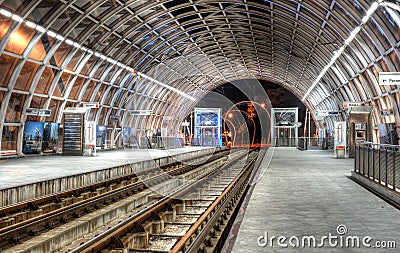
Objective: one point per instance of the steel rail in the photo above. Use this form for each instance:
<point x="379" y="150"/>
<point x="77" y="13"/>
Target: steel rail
<point x="106" y="238"/>
<point x="29" y="228"/>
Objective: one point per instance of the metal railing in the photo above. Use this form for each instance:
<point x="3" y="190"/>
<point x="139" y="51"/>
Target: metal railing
<point x="285" y="142"/>
<point x="378" y="162"/>
<point x="161" y="142"/>
<point x="305" y="143"/>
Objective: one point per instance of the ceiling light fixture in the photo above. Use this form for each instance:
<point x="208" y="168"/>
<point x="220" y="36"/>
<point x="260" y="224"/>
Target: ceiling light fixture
<point x="339" y="52"/>
<point x="89" y="51"/>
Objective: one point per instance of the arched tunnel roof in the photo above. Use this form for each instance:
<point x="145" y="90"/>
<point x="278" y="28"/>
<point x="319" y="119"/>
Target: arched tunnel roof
<point x="166" y="55"/>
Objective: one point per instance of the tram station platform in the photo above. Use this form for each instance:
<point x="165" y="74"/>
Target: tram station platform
<point x="305" y="194"/>
<point x="48" y="174"/>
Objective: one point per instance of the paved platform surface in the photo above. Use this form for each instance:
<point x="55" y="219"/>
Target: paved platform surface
<point x="307" y="193"/>
<point x="21" y="171"/>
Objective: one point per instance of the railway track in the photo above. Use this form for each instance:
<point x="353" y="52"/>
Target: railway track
<point x="194" y="218"/>
<point x="44" y="215"/>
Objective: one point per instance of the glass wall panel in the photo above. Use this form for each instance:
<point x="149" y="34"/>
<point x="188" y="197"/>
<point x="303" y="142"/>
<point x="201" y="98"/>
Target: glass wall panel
<point x="26" y="76"/>
<point x="15" y="107"/>
<point x="45" y="80"/>
<point x="9" y="140"/>
<point x="7" y="65"/>
<point x="76" y="88"/>
<point x="42" y="47"/>
<point x="54" y="106"/>
<point x="89" y="91"/>
<point x="37" y="102"/>
<point x="5" y="24"/>
<point x="60" y="54"/>
<point x="20" y="39"/>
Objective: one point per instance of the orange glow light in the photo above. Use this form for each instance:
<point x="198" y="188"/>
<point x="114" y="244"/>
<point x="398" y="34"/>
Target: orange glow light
<point x="18" y="39"/>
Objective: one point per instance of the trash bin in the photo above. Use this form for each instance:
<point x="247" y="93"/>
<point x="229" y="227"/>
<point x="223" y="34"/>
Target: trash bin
<point x="340" y="152"/>
<point x="89" y="150"/>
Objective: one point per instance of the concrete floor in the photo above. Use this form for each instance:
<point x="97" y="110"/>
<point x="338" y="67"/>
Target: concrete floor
<point x="307" y="193"/>
<point x="21" y="171"/>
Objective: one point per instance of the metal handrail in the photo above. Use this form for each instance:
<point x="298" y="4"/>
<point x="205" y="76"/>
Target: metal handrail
<point x="378" y="162"/>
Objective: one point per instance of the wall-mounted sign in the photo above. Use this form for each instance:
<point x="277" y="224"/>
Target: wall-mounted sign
<point x="386" y="113"/>
<point x="91" y="105"/>
<point x="44" y="113"/>
<point x="324" y="113"/>
<point x="351" y="104"/>
<point x="321" y="113"/>
<point x="333" y="113"/>
<point x="114" y="118"/>
<point x="141" y="112"/>
<point x="32" y="111"/>
<point x="38" y="112"/>
<point x="389" y="78"/>
<point x="185" y="124"/>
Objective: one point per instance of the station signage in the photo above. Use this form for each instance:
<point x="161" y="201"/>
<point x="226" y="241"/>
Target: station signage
<point x="32" y="111"/>
<point x="141" y="112"/>
<point x="386" y="113"/>
<point x="44" y="113"/>
<point x="91" y="105"/>
<point x="324" y="113"/>
<point x="321" y="113"/>
<point x="114" y="118"/>
<point x="351" y="104"/>
<point x="389" y="78"/>
<point x="38" y="112"/>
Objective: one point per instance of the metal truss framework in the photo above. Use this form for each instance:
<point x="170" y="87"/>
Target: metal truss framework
<point x="193" y="46"/>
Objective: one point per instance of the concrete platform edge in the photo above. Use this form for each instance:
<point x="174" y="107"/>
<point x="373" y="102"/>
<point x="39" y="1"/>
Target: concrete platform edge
<point x="27" y="192"/>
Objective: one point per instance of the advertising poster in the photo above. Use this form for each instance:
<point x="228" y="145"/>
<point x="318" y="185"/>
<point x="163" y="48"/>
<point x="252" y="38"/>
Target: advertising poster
<point x="126" y="136"/>
<point x="101" y="136"/>
<point x="50" y="137"/>
<point x="208" y="126"/>
<point x="33" y="137"/>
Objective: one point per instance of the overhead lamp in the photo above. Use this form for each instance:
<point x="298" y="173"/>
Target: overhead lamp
<point x="77" y="45"/>
<point x="30" y="24"/>
<point x="338" y="53"/>
<point x="372" y="9"/>
<point x="69" y="42"/>
<point x="353" y="35"/>
<point x="51" y="34"/>
<point x="59" y="37"/>
<point x="40" y="29"/>
<point x="17" y="18"/>
<point x="166" y="86"/>
<point x="5" y="13"/>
